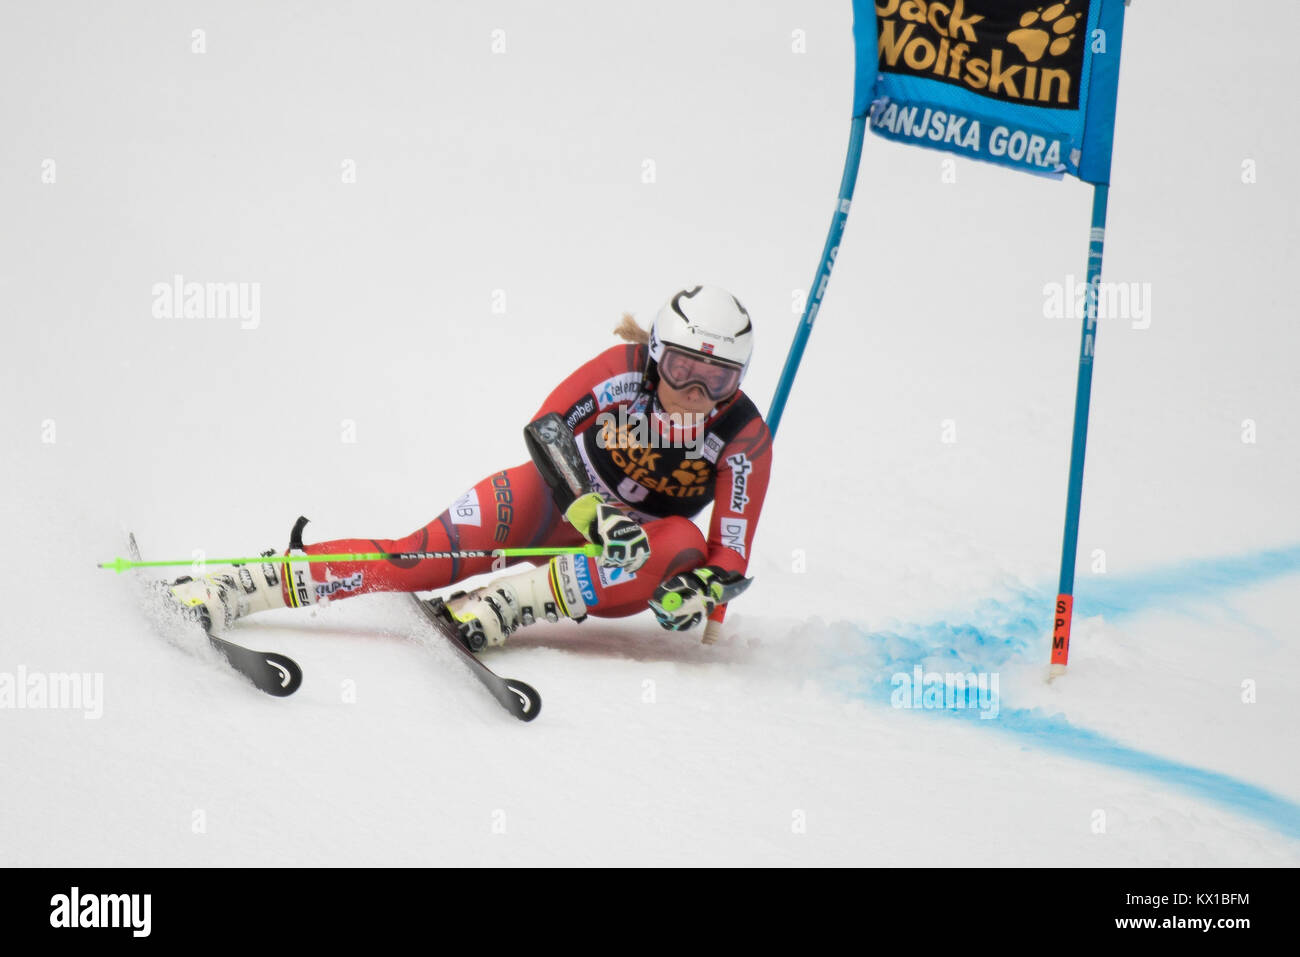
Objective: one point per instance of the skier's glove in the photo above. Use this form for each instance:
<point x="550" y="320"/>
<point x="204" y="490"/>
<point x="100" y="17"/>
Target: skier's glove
<point x="685" y="600"/>
<point x="623" y="542"/>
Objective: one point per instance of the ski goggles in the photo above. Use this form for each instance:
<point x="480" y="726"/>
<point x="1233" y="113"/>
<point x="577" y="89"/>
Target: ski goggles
<point x="717" y="378"/>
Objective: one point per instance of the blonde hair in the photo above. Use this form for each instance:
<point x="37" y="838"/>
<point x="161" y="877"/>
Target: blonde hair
<point x="631" y="331"/>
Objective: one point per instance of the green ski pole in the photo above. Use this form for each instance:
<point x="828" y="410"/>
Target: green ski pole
<point x="124" y="564"/>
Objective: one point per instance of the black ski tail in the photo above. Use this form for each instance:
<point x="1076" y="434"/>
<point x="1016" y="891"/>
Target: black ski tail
<point x="520" y="699"/>
<point x="273" y="673"/>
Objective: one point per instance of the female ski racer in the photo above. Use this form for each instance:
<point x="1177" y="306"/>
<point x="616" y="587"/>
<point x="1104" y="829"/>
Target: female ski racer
<point x="625" y="451"/>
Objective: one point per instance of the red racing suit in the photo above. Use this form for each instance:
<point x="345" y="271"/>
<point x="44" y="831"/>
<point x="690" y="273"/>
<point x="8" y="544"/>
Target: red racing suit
<point x="662" y="474"/>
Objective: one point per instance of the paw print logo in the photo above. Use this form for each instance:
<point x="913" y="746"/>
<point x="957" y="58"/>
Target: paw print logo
<point x="691" y="471"/>
<point x="1044" y="31"/>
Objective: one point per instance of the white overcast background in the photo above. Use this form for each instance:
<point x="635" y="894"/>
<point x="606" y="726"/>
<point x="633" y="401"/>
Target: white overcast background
<point x="518" y="178"/>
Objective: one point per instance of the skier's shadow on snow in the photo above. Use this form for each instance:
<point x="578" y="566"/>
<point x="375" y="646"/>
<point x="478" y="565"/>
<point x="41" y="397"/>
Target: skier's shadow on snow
<point x="594" y="638"/>
<point x="316" y="629"/>
<point x="632" y="641"/>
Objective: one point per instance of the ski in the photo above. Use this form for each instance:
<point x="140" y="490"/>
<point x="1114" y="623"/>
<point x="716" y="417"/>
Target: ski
<point x="269" y="671"/>
<point x="519" y="699"/>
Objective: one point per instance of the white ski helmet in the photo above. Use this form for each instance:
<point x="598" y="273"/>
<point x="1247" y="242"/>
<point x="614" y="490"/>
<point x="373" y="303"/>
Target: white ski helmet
<point x="710" y="329"/>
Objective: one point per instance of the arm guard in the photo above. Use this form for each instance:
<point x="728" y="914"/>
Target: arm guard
<point x="555" y="453"/>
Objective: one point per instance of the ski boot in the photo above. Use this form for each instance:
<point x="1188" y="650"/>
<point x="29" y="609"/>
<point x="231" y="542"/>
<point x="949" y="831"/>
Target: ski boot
<point x="488" y="615"/>
<point x="219" y="597"/>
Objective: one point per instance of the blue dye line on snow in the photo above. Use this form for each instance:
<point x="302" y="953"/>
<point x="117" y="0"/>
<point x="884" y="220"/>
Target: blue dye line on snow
<point x="1228" y="792"/>
<point x="1016" y="629"/>
<point x="1055" y="733"/>
<point x="1200" y="578"/>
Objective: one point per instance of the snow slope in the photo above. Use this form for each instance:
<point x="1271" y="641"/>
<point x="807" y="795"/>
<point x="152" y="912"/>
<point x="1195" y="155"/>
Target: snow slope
<point x="517" y="178"/>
